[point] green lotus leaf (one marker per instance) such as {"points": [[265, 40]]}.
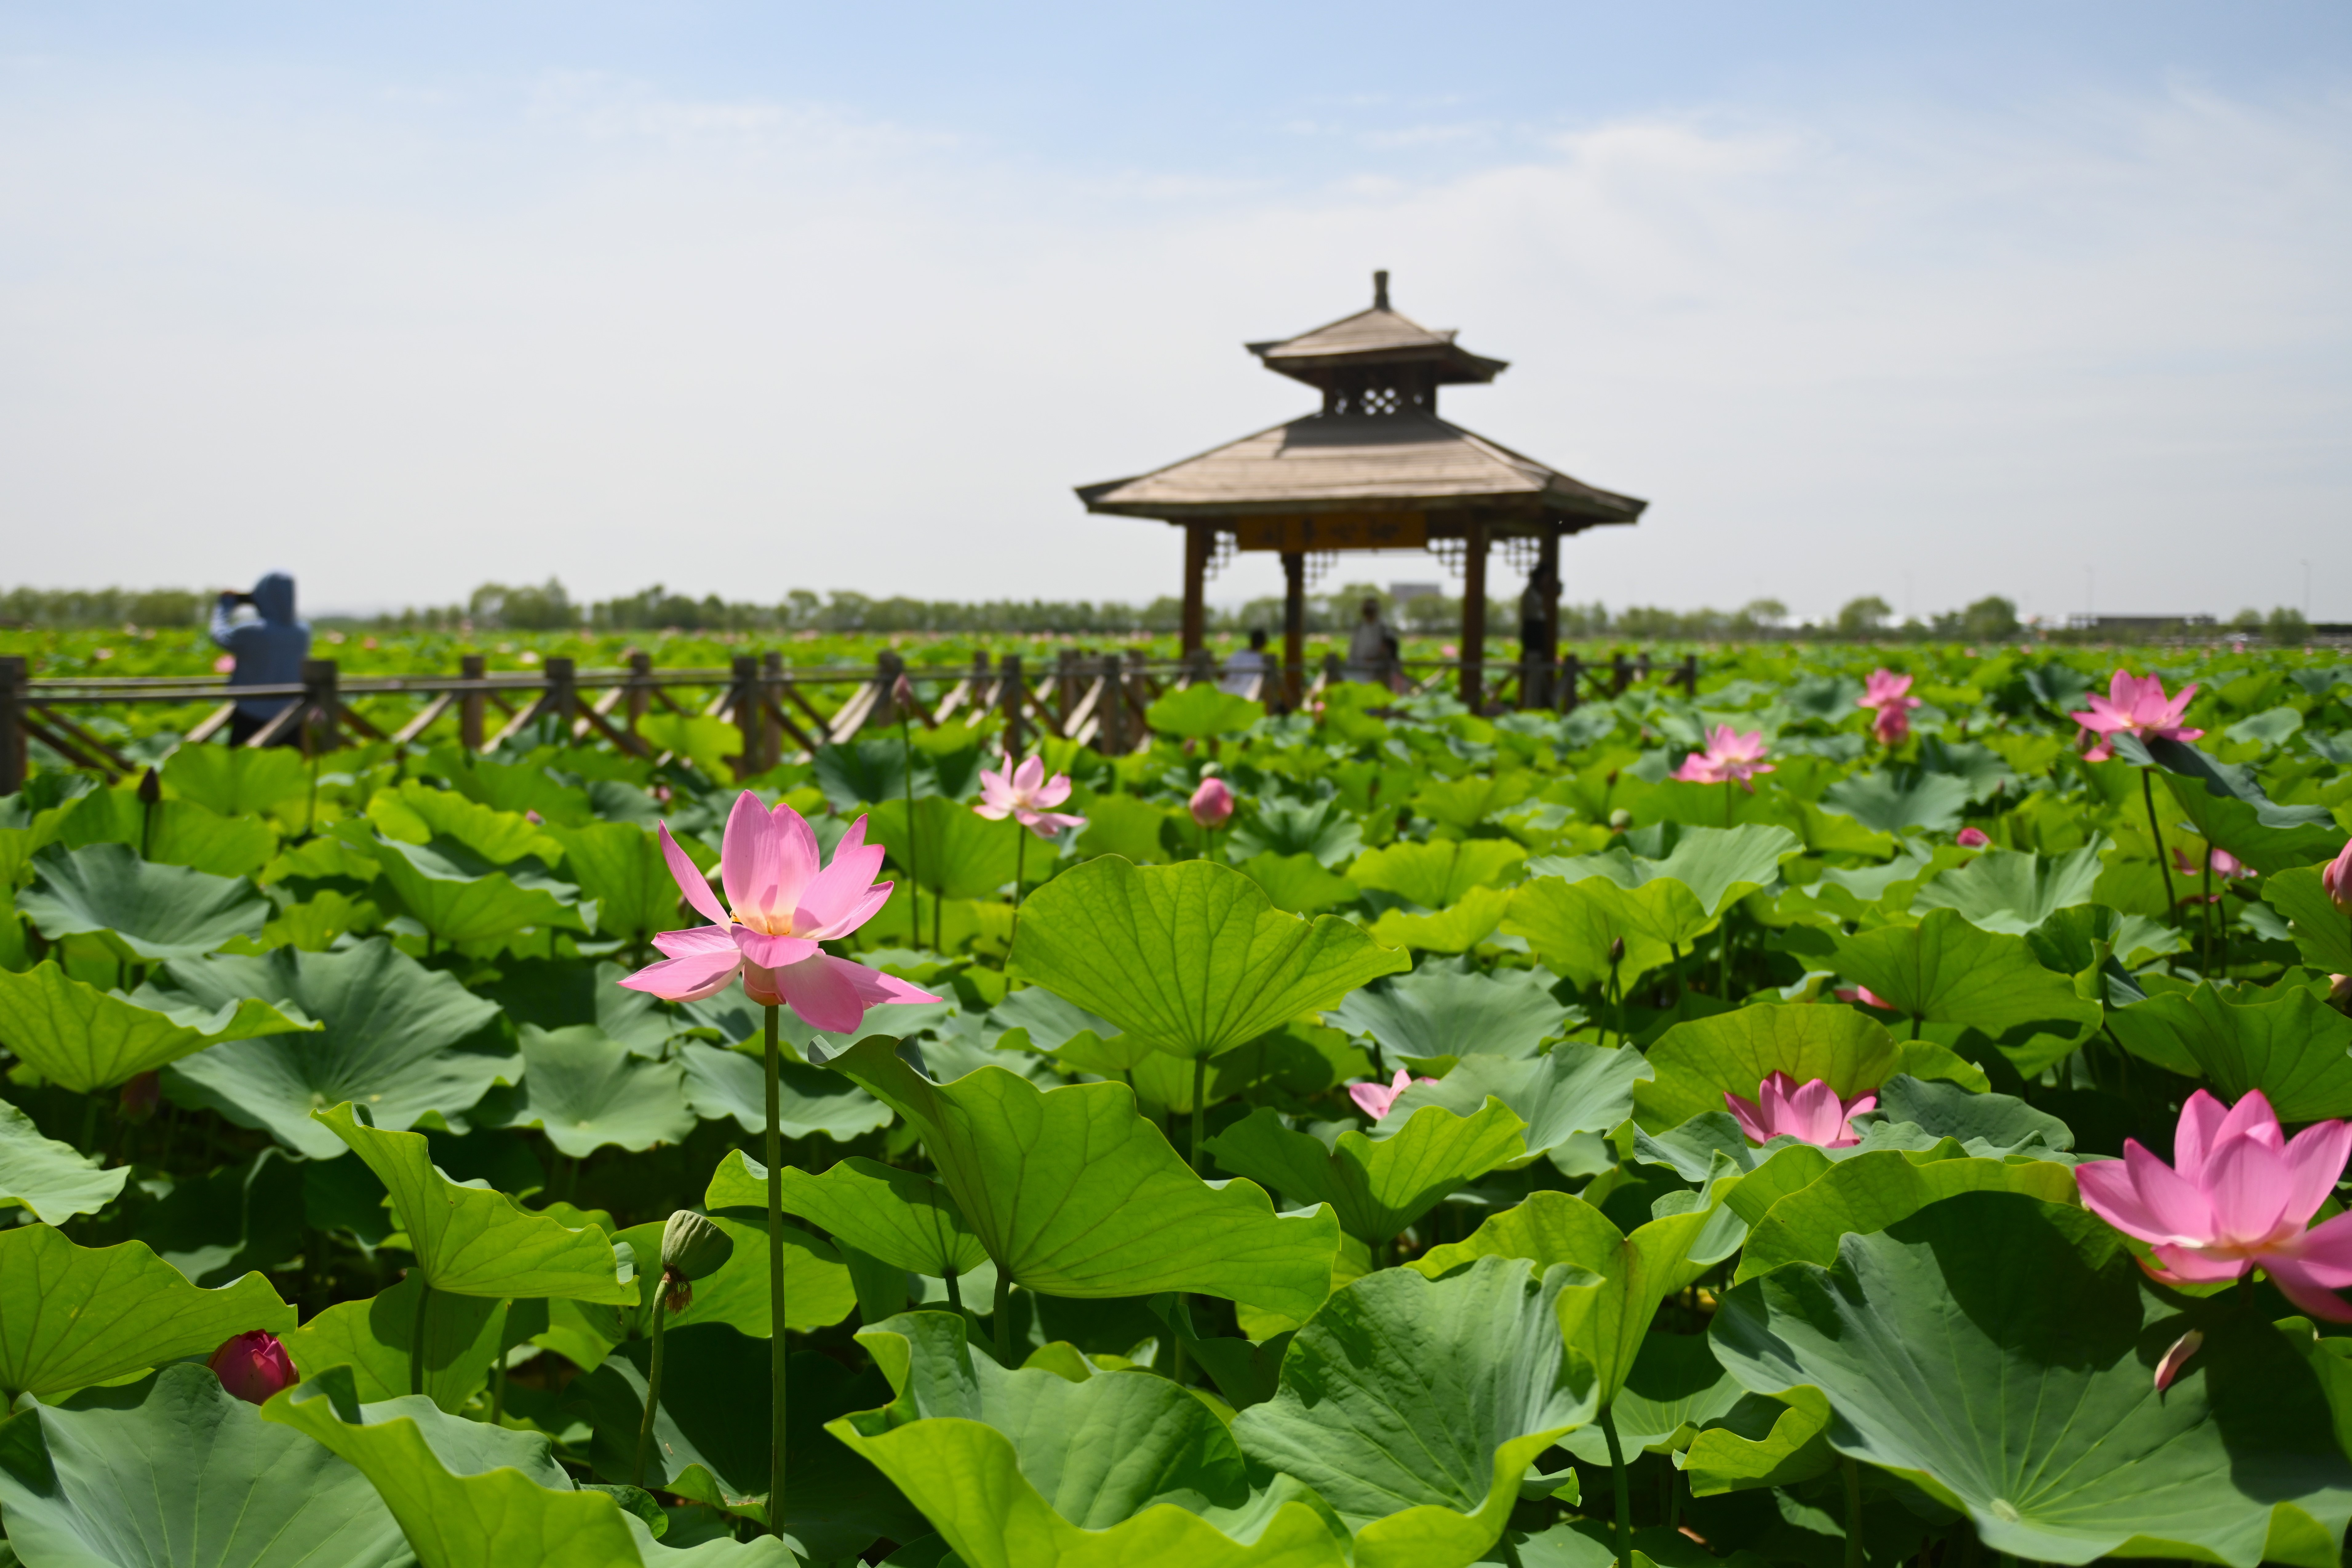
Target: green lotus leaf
{"points": [[1697, 1062], [1945, 970], [470, 1495], [1761, 1442], [1073, 1194], [810, 1101], [1674, 1388], [2321, 930], [460, 895], [1452, 930], [2296, 1050], [1464, 803], [463, 1334], [246, 1215], [1894, 803], [170, 833], [1715, 866], [2068, 940], [515, 788], [233, 781], [587, 1092], [80, 1038], [404, 1040], [417, 813], [476, 1242], [1997, 1352], [620, 869], [1280, 826], [173, 1471], [1572, 926], [1872, 1191], [1130, 827], [2013, 891], [1572, 1089], [73, 1316], [1983, 1125], [710, 744], [817, 1289], [1377, 1185], [1025, 1469], [1201, 710], [557, 993], [1413, 1405], [1441, 871], [54, 1180], [712, 1445], [1456, 1009], [2232, 810], [956, 853], [1297, 885], [1605, 1311], [141, 912], [1192, 957], [903, 1217]]}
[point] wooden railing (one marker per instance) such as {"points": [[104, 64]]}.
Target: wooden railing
{"points": [[1097, 701]]}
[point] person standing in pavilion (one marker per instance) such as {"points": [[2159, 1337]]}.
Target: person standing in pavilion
{"points": [[268, 652], [1371, 648]]}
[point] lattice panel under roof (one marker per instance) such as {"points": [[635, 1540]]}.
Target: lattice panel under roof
{"points": [[1220, 552]]}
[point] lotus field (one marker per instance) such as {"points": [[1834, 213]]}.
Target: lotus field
{"points": [[1862, 1113]]}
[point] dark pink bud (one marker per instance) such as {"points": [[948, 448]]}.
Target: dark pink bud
{"points": [[1213, 802], [139, 1097], [253, 1366], [1972, 838]]}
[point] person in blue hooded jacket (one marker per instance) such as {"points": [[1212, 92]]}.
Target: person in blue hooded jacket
{"points": [[268, 652]]}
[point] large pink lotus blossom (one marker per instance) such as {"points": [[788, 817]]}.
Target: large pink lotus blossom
{"points": [[1813, 1113], [2336, 880], [2237, 1195], [253, 1366], [784, 907], [1728, 756], [1213, 802], [2135, 705], [1024, 794], [1890, 694], [1375, 1098]]}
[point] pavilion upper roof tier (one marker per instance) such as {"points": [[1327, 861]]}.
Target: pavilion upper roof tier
{"points": [[1379, 336], [1403, 461]]}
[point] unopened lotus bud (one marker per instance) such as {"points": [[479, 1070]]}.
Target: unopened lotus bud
{"points": [[253, 1366], [1620, 820], [1212, 803], [151, 787], [1616, 951], [2339, 992], [139, 1097], [1972, 838], [902, 692], [2336, 881], [692, 1249]]}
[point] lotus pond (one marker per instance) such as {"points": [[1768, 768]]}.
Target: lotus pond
{"points": [[1834, 1120]]}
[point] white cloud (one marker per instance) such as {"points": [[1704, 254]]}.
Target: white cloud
{"points": [[406, 340]]}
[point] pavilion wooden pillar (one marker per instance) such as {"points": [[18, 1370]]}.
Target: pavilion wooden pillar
{"points": [[1473, 615], [1538, 664], [1294, 624], [1199, 538]]}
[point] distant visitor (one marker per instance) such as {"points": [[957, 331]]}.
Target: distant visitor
{"points": [[268, 652], [1245, 674]]}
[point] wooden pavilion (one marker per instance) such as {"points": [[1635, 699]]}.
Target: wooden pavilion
{"points": [[1375, 469]]}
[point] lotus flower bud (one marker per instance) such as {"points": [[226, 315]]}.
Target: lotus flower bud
{"points": [[253, 1366], [1616, 951], [692, 1249], [151, 787], [1972, 838], [2339, 992], [1620, 820], [1212, 803], [902, 692], [2336, 880], [139, 1097]]}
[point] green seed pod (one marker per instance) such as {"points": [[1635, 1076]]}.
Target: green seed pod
{"points": [[693, 1248]]}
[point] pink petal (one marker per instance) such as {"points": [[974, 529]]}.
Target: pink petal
{"points": [[1053, 792], [865, 910], [2314, 1160], [2107, 1191], [764, 861], [833, 993], [2184, 1347], [2182, 1209], [690, 881], [696, 939], [1749, 1116], [772, 952], [2249, 1117], [2248, 1184], [2193, 1139], [690, 978], [994, 810], [1032, 773], [1815, 1109], [834, 892], [2187, 1266], [2300, 1285], [2325, 1252]]}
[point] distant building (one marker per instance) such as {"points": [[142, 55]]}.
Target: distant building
{"points": [[2140, 625], [1406, 593]]}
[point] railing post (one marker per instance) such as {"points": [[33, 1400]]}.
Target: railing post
{"points": [[772, 696], [888, 667], [12, 726], [1066, 677], [750, 722], [1689, 675], [1009, 696], [1620, 675], [641, 670], [1571, 682], [1641, 666], [320, 680], [1110, 735], [563, 701], [472, 667]]}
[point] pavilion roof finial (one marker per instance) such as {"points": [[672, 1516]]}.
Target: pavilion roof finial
{"points": [[1381, 289]]}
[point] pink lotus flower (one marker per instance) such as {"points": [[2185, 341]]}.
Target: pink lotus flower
{"points": [[784, 907], [1812, 1113], [1972, 838], [1213, 802], [253, 1366], [1728, 756], [1867, 996], [2336, 881], [1023, 793], [2237, 1195], [2135, 706], [1889, 693], [2226, 866], [226, 665], [1375, 1100]]}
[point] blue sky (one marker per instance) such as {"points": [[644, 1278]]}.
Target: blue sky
{"points": [[1929, 302]]}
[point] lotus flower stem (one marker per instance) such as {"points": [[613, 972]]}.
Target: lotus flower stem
{"points": [[1624, 1491], [955, 1295], [416, 1337], [1003, 1316], [1853, 1511], [2208, 921], [1200, 1112], [774, 1150], [499, 1390], [1730, 801], [653, 1388], [1020, 864], [2147, 794], [914, 881]]}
